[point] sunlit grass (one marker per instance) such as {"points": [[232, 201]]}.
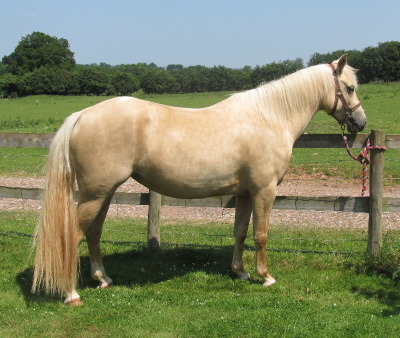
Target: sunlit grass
{"points": [[45, 113], [189, 290]]}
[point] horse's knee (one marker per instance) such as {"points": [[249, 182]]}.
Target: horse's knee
{"points": [[260, 240]]}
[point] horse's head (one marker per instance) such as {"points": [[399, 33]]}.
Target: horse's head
{"points": [[346, 108]]}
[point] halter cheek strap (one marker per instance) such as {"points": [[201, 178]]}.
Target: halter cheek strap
{"points": [[339, 96]]}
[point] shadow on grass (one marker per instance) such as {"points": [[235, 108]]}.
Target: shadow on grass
{"points": [[386, 265], [141, 266], [388, 296]]}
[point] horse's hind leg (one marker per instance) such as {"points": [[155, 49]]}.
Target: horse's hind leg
{"points": [[242, 219], [93, 235], [91, 214]]}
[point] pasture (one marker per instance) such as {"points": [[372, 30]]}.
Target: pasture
{"points": [[188, 290], [44, 113]]}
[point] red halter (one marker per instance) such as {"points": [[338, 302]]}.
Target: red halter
{"points": [[339, 96]]}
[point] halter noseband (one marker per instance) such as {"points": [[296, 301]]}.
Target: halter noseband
{"points": [[339, 96]]}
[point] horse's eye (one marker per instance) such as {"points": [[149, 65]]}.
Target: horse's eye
{"points": [[350, 89]]}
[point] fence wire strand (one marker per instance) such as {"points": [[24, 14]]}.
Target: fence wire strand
{"points": [[299, 218]]}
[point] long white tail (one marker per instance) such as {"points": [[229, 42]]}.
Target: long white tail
{"points": [[57, 234]]}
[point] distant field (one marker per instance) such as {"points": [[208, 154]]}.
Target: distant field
{"points": [[44, 114]]}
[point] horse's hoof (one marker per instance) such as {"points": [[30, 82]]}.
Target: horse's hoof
{"points": [[244, 276], [105, 285], [269, 282], [241, 274], [74, 302]]}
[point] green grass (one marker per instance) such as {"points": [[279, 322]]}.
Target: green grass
{"points": [[337, 163], [192, 100], [23, 162], [44, 113], [41, 113], [189, 291]]}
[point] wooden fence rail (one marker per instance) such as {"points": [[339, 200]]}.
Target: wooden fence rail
{"points": [[28, 140], [374, 205], [326, 203]]}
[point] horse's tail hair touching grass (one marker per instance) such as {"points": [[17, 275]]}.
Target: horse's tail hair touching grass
{"points": [[56, 236]]}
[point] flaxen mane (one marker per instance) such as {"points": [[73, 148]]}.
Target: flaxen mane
{"points": [[288, 99]]}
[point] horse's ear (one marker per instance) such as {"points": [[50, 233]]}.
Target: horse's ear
{"points": [[341, 63]]}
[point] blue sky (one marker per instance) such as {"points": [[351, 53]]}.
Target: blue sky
{"points": [[232, 33]]}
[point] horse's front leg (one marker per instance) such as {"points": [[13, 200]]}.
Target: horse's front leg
{"points": [[242, 219], [262, 206]]}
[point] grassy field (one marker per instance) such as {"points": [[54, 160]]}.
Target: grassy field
{"points": [[189, 291], [46, 113]]}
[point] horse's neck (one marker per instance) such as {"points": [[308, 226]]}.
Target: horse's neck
{"points": [[306, 115], [299, 102]]}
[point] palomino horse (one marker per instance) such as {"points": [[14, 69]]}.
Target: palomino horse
{"points": [[240, 146]]}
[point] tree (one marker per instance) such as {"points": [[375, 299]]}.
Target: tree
{"points": [[275, 70], [175, 67], [217, 78], [3, 69], [38, 50], [125, 83], [193, 79], [370, 65], [390, 55], [93, 80], [158, 81], [8, 84], [36, 82], [318, 58]]}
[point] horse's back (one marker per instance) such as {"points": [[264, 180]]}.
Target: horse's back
{"points": [[176, 151]]}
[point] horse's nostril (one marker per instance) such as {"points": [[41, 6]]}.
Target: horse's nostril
{"points": [[351, 120]]}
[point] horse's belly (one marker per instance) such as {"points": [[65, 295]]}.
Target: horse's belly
{"points": [[183, 186]]}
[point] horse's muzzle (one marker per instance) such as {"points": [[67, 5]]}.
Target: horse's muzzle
{"points": [[353, 126]]}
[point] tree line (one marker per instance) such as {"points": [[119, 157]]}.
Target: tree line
{"points": [[42, 64]]}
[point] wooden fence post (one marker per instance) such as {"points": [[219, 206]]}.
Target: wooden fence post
{"points": [[153, 221], [376, 194]]}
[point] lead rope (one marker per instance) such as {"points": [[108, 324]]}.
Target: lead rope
{"points": [[363, 157]]}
